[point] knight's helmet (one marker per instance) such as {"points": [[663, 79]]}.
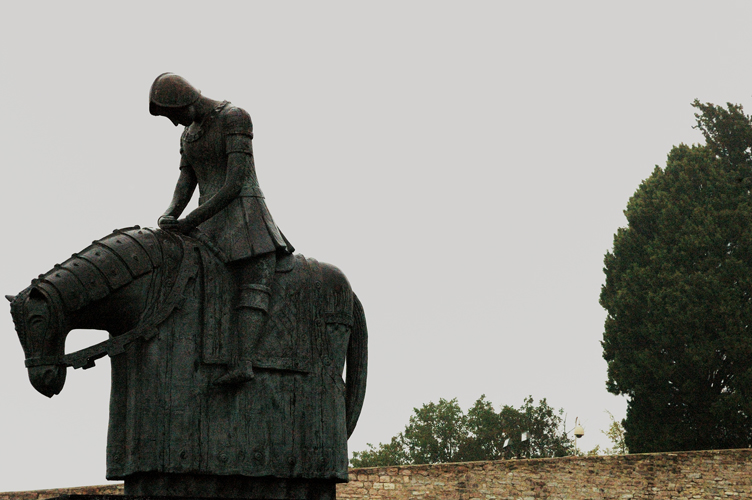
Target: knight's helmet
{"points": [[171, 91]]}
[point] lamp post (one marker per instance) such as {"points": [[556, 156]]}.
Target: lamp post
{"points": [[578, 433]]}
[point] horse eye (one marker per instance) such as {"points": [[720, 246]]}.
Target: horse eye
{"points": [[35, 320]]}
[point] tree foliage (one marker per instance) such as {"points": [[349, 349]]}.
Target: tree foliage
{"points": [[391, 453], [441, 433], [615, 434], [678, 294], [435, 433]]}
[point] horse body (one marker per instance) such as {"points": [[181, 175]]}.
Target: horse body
{"points": [[166, 302]]}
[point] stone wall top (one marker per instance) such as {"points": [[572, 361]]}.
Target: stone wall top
{"points": [[105, 489]]}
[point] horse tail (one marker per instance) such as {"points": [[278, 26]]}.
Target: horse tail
{"points": [[357, 366]]}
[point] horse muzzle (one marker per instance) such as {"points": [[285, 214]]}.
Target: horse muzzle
{"points": [[48, 379]]}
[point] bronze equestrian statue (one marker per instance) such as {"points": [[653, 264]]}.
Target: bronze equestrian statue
{"points": [[227, 348]]}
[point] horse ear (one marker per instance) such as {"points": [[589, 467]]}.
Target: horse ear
{"points": [[10, 298]]}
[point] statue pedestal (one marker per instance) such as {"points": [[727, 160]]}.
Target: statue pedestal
{"points": [[146, 497], [123, 497], [205, 486]]}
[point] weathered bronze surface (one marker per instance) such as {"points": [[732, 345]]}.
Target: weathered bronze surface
{"points": [[227, 348]]}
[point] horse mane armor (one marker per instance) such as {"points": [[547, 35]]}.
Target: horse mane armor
{"points": [[103, 267]]}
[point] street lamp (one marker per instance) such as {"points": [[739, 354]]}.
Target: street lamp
{"points": [[578, 432]]}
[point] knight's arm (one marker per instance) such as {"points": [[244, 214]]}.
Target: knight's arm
{"points": [[237, 165], [237, 131], [184, 189]]}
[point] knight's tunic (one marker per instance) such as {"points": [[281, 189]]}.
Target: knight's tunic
{"points": [[245, 227]]}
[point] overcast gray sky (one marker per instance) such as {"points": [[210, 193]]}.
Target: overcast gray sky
{"points": [[466, 164]]}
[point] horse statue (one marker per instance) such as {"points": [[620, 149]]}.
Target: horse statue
{"points": [[163, 298]]}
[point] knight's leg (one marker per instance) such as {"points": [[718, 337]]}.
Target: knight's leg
{"points": [[252, 309]]}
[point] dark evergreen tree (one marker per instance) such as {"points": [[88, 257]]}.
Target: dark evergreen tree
{"points": [[678, 293]]}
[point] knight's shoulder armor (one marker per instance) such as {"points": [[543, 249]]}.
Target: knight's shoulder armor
{"points": [[236, 121]]}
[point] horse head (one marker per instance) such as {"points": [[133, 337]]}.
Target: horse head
{"points": [[41, 330], [98, 288]]}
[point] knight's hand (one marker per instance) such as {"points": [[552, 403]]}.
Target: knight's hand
{"points": [[168, 222]]}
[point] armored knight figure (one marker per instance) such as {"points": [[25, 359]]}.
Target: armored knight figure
{"points": [[216, 155]]}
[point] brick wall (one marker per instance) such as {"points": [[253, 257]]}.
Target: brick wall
{"points": [[109, 489], [700, 474]]}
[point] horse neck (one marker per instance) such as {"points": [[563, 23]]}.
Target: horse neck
{"points": [[116, 313], [117, 303]]}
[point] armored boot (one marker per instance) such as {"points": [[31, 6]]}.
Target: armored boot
{"points": [[252, 311]]}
